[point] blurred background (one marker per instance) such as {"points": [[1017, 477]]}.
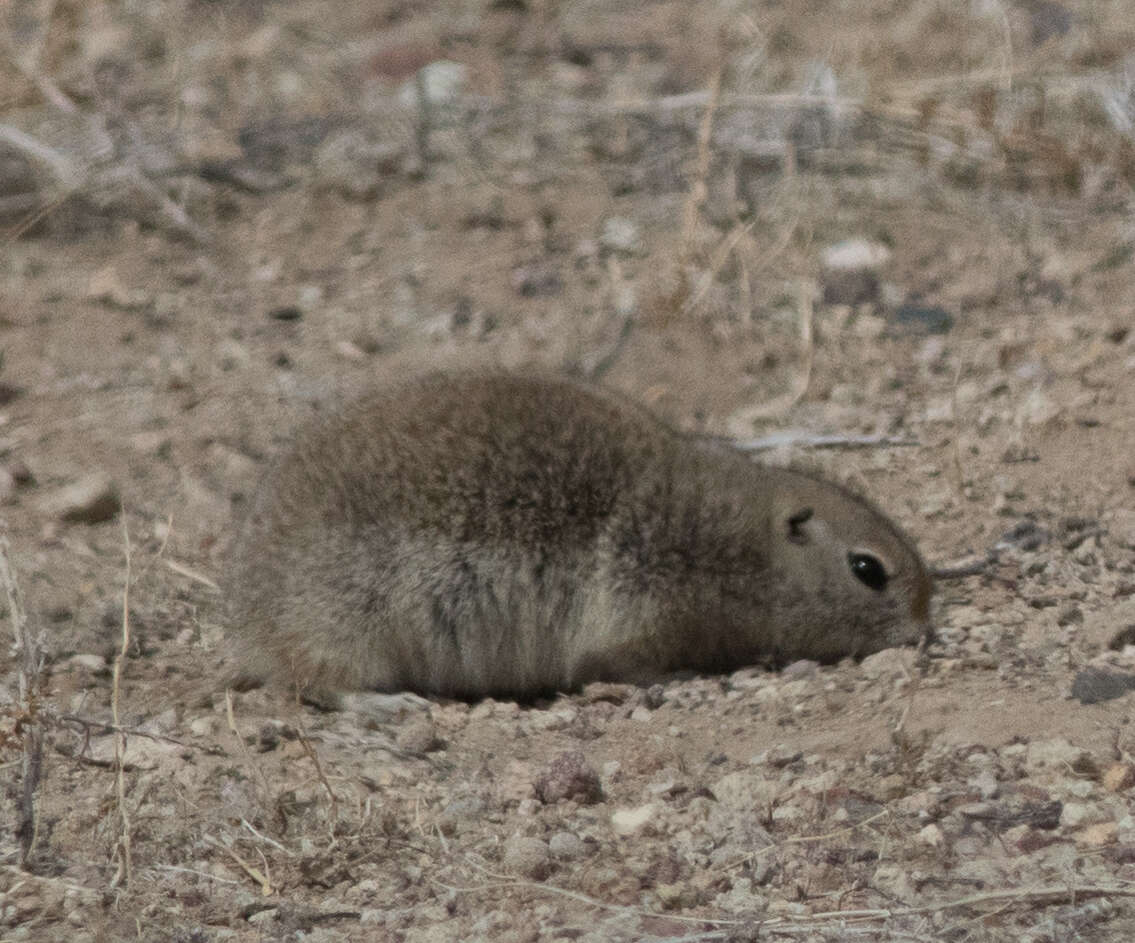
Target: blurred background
{"points": [[903, 225]]}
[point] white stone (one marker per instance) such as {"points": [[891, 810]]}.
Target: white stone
{"points": [[620, 234], [90, 500], [628, 821], [443, 81], [889, 663], [932, 835], [854, 254], [1053, 753], [1079, 814]]}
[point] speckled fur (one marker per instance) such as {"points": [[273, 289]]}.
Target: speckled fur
{"points": [[475, 534]]}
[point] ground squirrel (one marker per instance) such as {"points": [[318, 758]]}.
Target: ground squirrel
{"points": [[491, 534]]}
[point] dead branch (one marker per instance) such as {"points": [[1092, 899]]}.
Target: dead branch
{"points": [[809, 440], [122, 848], [105, 727]]}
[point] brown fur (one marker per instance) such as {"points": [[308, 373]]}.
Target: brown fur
{"points": [[475, 534]]}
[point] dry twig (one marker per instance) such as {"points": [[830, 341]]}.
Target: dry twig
{"points": [[809, 440], [957, 447], [698, 189], [333, 817], [190, 574], [257, 875], [122, 849], [258, 771], [90, 724]]}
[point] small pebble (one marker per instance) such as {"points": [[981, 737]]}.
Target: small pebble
{"points": [[529, 857], [566, 846], [569, 776]]}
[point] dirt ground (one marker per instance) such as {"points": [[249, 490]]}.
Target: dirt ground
{"points": [[906, 225]]}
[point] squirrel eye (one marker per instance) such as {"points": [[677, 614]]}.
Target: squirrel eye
{"points": [[868, 570]]}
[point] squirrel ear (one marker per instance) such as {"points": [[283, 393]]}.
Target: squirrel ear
{"points": [[796, 522]]}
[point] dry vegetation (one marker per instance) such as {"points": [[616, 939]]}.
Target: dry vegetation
{"points": [[901, 226]]}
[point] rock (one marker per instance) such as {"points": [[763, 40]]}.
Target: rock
{"points": [[850, 271], [1121, 527], [285, 313], [853, 254], [141, 753], [1123, 638], [538, 280], [1079, 814], [90, 500], [232, 354], [986, 784], [620, 235], [205, 726], [350, 351], [778, 756], [1057, 753], [1024, 535], [1070, 614], [529, 857], [380, 707], [107, 287], [566, 846], [895, 881], [516, 783], [462, 812], [569, 776], [7, 485], [916, 319], [441, 81], [94, 663], [1038, 409], [1094, 685], [1047, 20], [889, 663], [666, 783], [358, 165], [1098, 835], [628, 821], [419, 735], [1032, 840], [802, 669], [607, 692], [859, 286], [932, 835], [751, 679], [745, 791], [1119, 777], [21, 474], [311, 296]]}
